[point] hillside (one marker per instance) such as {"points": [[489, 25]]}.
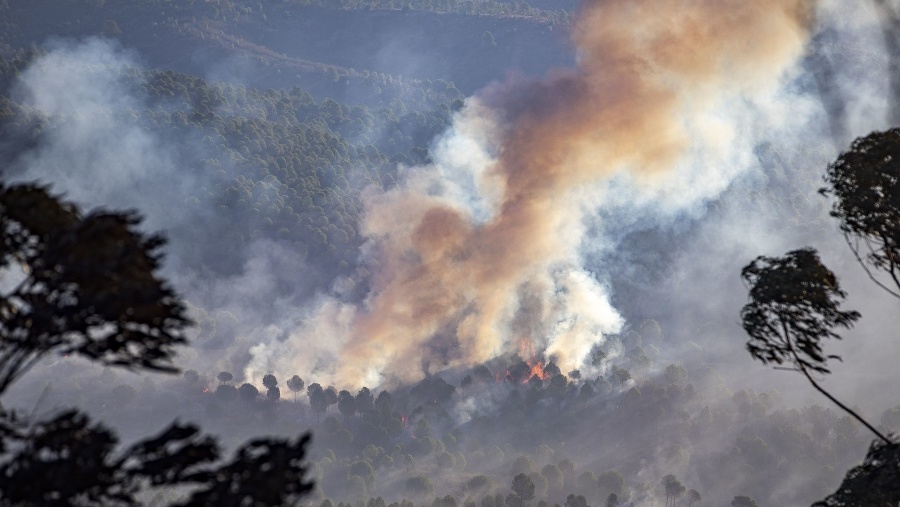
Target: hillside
{"points": [[488, 253]]}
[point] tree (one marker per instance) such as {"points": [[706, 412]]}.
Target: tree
{"points": [[296, 385], [419, 487], [794, 305], [874, 483], [317, 399], [226, 393], [794, 300], [88, 286], [673, 488], [743, 501], [576, 501], [346, 404], [693, 496], [866, 184], [612, 500], [224, 376], [273, 394], [523, 487], [269, 381], [248, 392], [331, 396], [365, 402]]}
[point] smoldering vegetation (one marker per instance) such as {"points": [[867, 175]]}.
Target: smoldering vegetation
{"points": [[539, 279]]}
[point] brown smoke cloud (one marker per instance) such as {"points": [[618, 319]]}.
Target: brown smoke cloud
{"points": [[458, 291]]}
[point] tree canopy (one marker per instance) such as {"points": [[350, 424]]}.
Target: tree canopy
{"points": [[88, 285], [865, 180]]}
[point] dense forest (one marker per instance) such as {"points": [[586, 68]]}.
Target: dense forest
{"points": [[280, 146]]}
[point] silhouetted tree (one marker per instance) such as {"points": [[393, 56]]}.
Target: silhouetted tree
{"points": [[226, 393], [269, 381], [331, 396], [693, 496], [865, 180], [273, 393], [346, 404], [94, 275], [612, 500], [248, 392], [794, 305], [576, 501], [673, 488], [743, 501], [384, 404], [365, 402], [89, 288], [296, 385], [523, 487], [224, 376], [874, 483], [317, 399]]}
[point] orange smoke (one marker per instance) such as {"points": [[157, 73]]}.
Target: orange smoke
{"points": [[647, 71]]}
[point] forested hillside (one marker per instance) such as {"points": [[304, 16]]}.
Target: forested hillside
{"points": [[487, 253]]}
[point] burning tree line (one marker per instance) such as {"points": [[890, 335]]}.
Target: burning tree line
{"points": [[86, 285]]}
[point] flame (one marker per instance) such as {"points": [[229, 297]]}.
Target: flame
{"points": [[537, 370], [205, 389]]}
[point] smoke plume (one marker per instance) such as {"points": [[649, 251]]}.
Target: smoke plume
{"points": [[459, 280]]}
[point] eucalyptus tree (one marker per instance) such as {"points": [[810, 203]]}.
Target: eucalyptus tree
{"points": [[795, 304]]}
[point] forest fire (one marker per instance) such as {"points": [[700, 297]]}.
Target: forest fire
{"points": [[537, 370], [521, 371]]}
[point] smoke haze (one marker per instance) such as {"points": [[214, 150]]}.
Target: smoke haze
{"points": [[557, 214]]}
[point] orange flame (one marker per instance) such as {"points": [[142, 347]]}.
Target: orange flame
{"points": [[205, 389], [537, 370]]}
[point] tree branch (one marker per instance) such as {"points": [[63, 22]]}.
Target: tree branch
{"points": [[826, 393], [862, 263]]}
